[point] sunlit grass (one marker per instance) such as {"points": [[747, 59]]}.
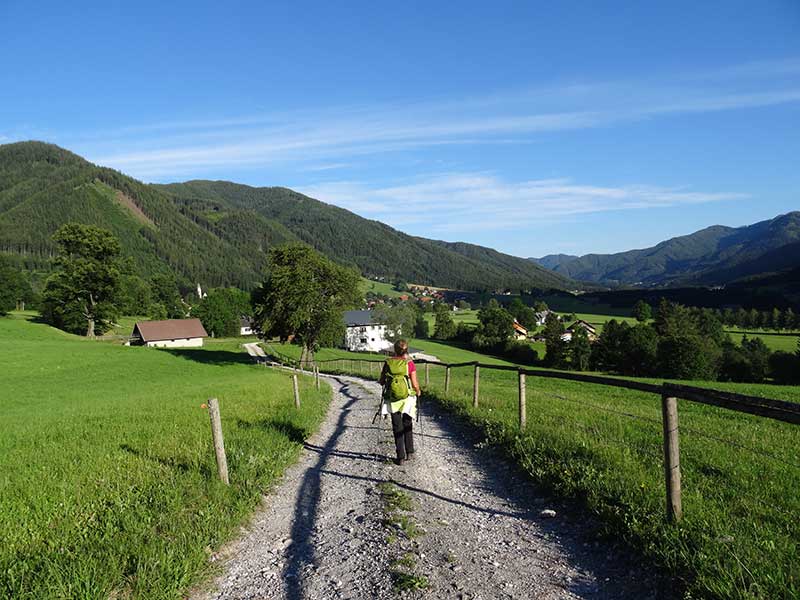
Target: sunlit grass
{"points": [[108, 484]]}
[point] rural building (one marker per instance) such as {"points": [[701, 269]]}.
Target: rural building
{"points": [[520, 332], [591, 332], [541, 317], [172, 333], [246, 325], [364, 333]]}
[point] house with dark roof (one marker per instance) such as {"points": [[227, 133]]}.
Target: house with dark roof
{"points": [[591, 331], [172, 333], [246, 325], [364, 332]]}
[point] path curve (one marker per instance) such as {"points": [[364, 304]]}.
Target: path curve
{"points": [[320, 533]]}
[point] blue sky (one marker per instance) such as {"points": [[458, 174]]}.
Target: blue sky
{"points": [[531, 127]]}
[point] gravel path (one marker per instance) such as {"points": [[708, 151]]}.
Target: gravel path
{"points": [[320, 533]]}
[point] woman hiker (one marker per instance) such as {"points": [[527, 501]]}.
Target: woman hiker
{"points": [[400, 393]]}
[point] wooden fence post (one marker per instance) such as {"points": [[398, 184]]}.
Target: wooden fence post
{"points": [[447, 379], [296, 388], [672, 460], [476, 385], [219, 443], [523, 414], [316, 375], [427, 374]]}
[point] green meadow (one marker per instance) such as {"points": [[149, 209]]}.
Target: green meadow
{"points": [[602, 446], [109, 485]]}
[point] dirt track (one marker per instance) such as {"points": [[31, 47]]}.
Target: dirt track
{"points": [[320, 533]]}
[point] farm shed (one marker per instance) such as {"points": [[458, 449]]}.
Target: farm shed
{"points": [[172, 333]]}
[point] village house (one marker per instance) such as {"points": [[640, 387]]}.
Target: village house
{"points": [[541, 317], [246, 325], [364, 333], [520, 332], [591, 331], [172, 333]]}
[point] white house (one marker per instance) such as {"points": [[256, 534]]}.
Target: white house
{"points": [[246, 325], [172, 333], [364, 333], [541, 317]]}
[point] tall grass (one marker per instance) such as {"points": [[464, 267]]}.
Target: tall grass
{"points": [[108, 484]]}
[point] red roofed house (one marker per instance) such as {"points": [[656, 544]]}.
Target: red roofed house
{"points": [[172, 333]]}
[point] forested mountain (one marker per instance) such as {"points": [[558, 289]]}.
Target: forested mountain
{"points": [[218, 233], [715, 255], [374, 247]]}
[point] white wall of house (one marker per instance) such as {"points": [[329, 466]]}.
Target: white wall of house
{"points": [[245, 331], [180, 343], [366, 338]]}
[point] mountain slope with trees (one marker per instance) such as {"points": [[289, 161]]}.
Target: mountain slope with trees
{"points": [[714, 255], [376, 248], [219, 233]]}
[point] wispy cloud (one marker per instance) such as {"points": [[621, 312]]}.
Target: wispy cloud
{"points": [[456, 203], [177, 148]]}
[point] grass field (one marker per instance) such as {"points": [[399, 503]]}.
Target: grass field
{"points": [[603, 447], [108, 484], [379, 287]]}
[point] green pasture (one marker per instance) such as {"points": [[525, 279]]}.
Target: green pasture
{"points": [[108, 485], [379, 287], [603, 447]]}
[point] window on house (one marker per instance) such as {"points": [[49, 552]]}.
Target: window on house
{"points": [[363, 340]]}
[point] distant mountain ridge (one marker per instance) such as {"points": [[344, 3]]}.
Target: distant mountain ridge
{"points": [[218, 233], [712, 256]]}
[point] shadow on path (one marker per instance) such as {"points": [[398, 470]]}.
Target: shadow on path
{"points": [[302, 552]]}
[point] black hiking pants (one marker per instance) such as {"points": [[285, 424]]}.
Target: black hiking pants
{"points": [[403, 436]]}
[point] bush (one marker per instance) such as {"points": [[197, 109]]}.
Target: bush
{"points": [[521, 353], [784, 367], [688, 357]]}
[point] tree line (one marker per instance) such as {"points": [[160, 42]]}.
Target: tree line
{"points": [[680, 343]]}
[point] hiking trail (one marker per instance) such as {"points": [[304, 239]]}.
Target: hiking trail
{"points": [[320, 533]]}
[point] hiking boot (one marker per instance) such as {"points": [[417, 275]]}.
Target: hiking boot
{"points": [[399, 461]]}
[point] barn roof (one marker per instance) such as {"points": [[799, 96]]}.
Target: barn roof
{"points": [[171, 329]]}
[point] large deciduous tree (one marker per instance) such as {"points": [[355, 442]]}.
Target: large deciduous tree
{"points": [[304, 298], [81, 295]]}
